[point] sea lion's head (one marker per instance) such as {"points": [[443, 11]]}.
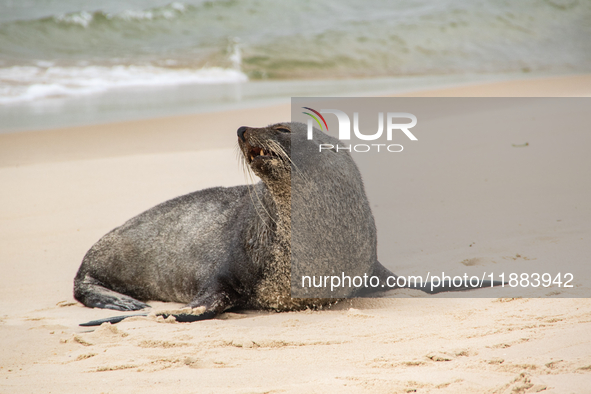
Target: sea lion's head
{"points": [[267, 151]]}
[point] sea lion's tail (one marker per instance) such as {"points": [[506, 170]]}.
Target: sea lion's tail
{"points": [[181, 318], [385, 275], [444, 286]]}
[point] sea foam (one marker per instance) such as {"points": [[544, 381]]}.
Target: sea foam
{"points": [[24, 83]]}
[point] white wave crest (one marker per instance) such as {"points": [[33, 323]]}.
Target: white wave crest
{"points": [[82, 18], [27, 83], [85, 18]]}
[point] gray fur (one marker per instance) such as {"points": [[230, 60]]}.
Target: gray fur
{"points": [[333, 229], [225, 248]]}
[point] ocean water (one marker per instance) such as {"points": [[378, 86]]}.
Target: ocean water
{"points": [[60, 48]]}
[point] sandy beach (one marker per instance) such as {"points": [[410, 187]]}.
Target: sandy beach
{"points": [[62, 189]]}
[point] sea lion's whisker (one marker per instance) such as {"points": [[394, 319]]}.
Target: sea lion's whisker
{"points": [[251, 189], [281, 152], [251, 185]]}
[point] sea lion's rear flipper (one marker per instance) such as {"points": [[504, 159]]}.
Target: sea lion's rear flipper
{"points": [[112, 320], [181, 318], [208, 305], [92, 294]]}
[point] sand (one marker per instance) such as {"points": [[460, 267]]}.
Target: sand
{"points": [[63, 189]]}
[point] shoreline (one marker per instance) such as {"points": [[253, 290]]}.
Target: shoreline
{"points": [[144, 103], [178, 133]]}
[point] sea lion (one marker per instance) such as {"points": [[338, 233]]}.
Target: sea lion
{"points": [[223, 248], [231, 247]]}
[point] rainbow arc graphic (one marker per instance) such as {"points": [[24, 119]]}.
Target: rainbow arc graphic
{"points": [[315, 118]]}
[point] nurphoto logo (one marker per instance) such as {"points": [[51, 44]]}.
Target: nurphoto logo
{"points": [[345, 130]]}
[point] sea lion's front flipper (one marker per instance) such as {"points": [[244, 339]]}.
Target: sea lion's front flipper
{"points": [[216, 297], [189, 318]]}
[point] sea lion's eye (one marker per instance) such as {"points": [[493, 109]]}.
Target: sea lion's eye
{"points": [[283, 129]]}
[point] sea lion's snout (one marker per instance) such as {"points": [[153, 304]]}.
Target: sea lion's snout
{"points": [[257, 143], [266, 150]]}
